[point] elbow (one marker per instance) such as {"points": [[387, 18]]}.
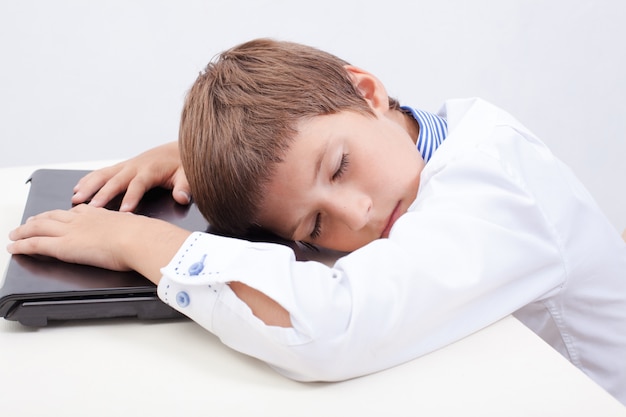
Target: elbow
{"points": [[313, 364]]}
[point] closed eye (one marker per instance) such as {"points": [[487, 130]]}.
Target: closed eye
{"points": [[317, 228], [343, 165], [341, 170]]}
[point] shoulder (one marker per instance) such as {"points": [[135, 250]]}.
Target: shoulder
{"points": [[485, 140], [489, 163], [474, 113]]}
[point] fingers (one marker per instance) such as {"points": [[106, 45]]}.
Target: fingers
{"points": [[36, 245], [91, 184], [135, 191], [84, 234], [156, 167], [104, 185], [43, 224], [36, 235]]}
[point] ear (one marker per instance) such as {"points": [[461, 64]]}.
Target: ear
{"points": [[370, 87]]}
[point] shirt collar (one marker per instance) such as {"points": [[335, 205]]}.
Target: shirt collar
{"points": [[433, 131]]}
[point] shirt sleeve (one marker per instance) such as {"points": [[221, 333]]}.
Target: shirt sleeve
{"points": [[386, 303], [474, 248]]}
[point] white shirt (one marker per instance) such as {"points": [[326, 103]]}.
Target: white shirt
{"points": [[499, 226]]}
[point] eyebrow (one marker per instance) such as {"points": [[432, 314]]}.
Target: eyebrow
{"points": [[320, 158]]}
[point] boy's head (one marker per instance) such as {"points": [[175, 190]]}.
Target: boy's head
{"points": [[242, 115]]}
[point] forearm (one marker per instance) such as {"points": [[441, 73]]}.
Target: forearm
{"points": [[150, 244], [150, 249], [262, 306]]}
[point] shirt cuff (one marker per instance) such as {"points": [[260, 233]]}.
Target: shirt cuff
{"points": [[193, 282]]}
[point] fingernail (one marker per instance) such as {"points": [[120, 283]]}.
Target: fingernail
{"points": [[185, 195]]}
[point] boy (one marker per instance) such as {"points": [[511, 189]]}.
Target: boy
{"points": [[287, 138]]}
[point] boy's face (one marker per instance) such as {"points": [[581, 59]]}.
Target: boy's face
{"points": [[344, 181]]}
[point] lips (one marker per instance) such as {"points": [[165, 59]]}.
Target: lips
{"points": [[395, 215]]}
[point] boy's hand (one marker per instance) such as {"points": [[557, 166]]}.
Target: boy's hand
{"points": [[157, 167], [102, 238]]}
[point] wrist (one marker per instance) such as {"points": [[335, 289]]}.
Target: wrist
{"points": [[150, 245]]}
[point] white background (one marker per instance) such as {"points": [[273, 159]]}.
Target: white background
{"points": [[87, 80]]}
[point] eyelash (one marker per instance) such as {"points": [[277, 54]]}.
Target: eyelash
{"points": [[317, 228], [343, 165]]}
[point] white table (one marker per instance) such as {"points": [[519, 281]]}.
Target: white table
{"points": [[128, 367]]}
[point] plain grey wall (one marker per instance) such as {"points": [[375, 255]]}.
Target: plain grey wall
{"points": [[93, 80]]}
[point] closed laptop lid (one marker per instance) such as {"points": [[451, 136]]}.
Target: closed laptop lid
{"points": [[37, 290]]}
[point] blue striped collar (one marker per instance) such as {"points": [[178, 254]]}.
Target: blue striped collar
{"points": [[433, 131]]}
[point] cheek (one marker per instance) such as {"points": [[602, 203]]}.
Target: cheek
{"points": [[395, 170], [413, 179]]}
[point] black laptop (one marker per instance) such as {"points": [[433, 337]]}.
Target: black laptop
{"points": [[39, 290]]}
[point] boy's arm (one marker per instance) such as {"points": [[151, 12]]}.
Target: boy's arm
{"points": [[100, 237], [121, 241], [159, 166], [263, 307]]}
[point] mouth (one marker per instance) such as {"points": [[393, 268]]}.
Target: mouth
{"points": [[395, 214]]}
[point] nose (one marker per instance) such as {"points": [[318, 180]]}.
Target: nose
{"points": [[350, 207]]}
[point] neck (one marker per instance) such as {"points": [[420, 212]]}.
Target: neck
{"points": [[408, 123]]}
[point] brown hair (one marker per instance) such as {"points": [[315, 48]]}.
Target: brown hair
{"points": [[241, 114]]}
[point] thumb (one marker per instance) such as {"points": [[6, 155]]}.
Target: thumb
{"points": [[181, 191]]}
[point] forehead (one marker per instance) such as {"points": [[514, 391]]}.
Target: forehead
{"points": [[287, 190], [291, 189], [312, 139]]}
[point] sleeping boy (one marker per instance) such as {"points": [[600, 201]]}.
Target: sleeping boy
{"points": [[439, 244]]}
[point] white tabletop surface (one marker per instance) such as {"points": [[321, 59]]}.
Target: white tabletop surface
{"points": [[128, 367]]}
